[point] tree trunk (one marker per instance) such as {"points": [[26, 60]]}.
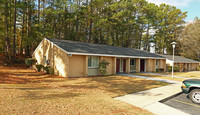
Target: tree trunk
{"points": [[38, 12], [77, 20], [7, 45], [147, 39], [90, 32], [23, 20], [14, 30], [10, 24]]}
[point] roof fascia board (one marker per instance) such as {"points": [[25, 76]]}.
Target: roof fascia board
{"points": [[57, 46], [181, 62], [76, 53], [187, 62], [37, 47]]}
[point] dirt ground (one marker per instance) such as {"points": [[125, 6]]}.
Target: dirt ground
{"points": [[25, 91]]}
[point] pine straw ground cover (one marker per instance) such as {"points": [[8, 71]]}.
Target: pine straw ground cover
{"points": [[24, 91], [190, 74]]}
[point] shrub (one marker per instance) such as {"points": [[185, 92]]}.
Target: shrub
{"points": [[39, 67], [176, 68], [159, 69], [49, 70], [169, 68], [103, 67], [30, 61], [198, 68]]}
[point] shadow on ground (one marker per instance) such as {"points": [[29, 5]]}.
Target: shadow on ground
{"points": [[17, 75], [113, 85]]}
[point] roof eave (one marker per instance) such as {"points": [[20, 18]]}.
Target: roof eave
{"points": [[92, 54], [108, 55]]}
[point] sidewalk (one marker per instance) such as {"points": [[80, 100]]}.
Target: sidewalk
{"points": [[165, 75], [149, 99], [150, 78]]}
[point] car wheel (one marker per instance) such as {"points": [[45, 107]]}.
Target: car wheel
{"points": [[195, 96]]}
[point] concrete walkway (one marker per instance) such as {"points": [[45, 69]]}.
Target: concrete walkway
{"points": [[149, 99], [150, 78], [165, 75]]}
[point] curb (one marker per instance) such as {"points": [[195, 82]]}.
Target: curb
{"points": [[170, 97]]}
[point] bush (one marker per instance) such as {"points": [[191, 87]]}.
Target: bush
{"points": [[30, 61], [39, 67], [198, 68], [169, 68], [103, 67], [49, 70], [159, 69], [176, 68]]}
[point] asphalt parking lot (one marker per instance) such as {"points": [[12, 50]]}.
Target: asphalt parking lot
{"points": [[183, 103]]}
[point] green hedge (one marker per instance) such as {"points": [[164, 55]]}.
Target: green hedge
{"points": [[198, 68], [159, 69], [49, 70], [30, 61], [176, 68], [39, 67]]}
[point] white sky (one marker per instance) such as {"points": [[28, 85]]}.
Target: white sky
{"points": [[177, 3]]}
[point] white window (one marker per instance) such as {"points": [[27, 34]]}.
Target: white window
{"points": [[157, 62], [132, 62], [93, 62]]}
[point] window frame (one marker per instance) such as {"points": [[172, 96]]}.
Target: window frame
{"points": [[157, 62], [131, 62], [92, 61]]}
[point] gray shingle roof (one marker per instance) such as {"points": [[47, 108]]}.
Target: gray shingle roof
{"points": [[81, 47], [179, 59]]}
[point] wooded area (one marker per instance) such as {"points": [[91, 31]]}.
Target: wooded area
{"points": [[190, 40], [127, 23]]}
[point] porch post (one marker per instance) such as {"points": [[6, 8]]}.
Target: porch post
{"points": [[164, 64], [147, 63], [86, 65], [137, 64], [114, 65], [128, 65], [154, 65], [67, 69]]}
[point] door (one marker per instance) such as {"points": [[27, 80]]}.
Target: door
{"points": [[142, 65], [124, 65], [117, 65]]}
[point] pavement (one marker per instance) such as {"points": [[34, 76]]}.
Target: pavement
{"points": [[182, 102], [150, 99], [150, 78], [166, 75]]}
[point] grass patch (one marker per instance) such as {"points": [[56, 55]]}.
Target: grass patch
{"points": [[158, 76], [191, 74], [25, 91]]}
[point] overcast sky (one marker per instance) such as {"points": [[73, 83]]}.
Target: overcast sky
{"points": [[191, 6]]}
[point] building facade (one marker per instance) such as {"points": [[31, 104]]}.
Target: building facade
{"points": [[78, 59]]}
